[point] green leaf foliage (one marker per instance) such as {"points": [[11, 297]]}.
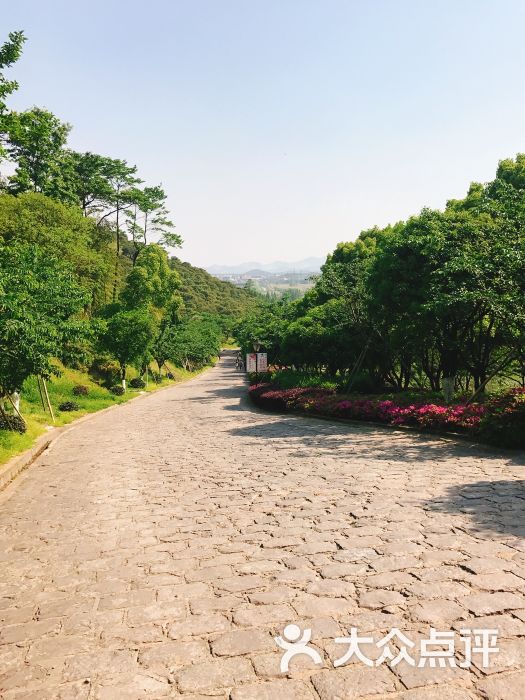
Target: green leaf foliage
{"points": [[39, 296], [128, 336], [151, 281], [35, 142], [194, 343], [62, 232]]}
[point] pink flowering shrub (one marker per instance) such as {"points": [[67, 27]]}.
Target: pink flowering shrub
{"points": [[429, 416], [275, 399], [501, 420]]}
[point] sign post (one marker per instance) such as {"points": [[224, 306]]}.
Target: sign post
{"points": [[256, 362], [262, 362], [251, 362], [256, 348]]}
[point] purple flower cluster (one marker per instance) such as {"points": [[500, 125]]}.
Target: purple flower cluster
{"points": [[460, 417], [428, 415]]}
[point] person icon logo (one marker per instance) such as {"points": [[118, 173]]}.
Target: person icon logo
{"points": [[294, 644]]}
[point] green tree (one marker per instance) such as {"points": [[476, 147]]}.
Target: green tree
{"points": [[193, 344], [148, 216], [251, 288], [62, 232], [36, 139], [440, 296], [39, 297], [152, 281], [153, 284], [10, 52], [129, 337], [122, 179], [266, 324], [451, 281], [86, 181]]}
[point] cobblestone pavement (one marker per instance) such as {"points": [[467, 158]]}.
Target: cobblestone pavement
{"points": [[156, 549]]}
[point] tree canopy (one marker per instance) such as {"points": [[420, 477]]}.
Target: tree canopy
{"points": [[39, 298], [438, 297]]}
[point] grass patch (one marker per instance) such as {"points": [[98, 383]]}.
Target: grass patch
{"points": [[60, 390]]}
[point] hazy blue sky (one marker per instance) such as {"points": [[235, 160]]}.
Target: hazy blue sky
{"points": [[280, 127]]}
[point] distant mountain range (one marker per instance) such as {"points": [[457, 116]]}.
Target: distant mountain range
{"points": [[306, 265]]}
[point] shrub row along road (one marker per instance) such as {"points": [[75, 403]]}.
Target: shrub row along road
{"points": [[155, 550]]}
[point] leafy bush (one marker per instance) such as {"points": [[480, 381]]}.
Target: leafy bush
{"points": [[13, 423], [80, 390], [137, 383], [291, 379], [260, 378], [364, 383], [117, 389], [68, 406], [504, 422], [105, 369]]}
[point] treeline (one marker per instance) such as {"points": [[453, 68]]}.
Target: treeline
{"points": [[436, 302], [84, 274]]}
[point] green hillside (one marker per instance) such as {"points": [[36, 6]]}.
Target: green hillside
{"points": [[203, 293]]}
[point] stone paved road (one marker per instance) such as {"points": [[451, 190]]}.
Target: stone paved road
{"points": [[155, 550]]}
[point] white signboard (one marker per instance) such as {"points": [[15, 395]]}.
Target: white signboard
{"points": [[262, 362], [251, 362]]}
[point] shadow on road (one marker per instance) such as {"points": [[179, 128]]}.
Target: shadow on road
{"points": [[493, 506], [362, 441], [342, 441]]}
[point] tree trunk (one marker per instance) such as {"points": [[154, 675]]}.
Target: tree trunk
{"points": [[449, 364], [115, 279], [431, 369], [15, 400], [134, 234], [448, 388]]}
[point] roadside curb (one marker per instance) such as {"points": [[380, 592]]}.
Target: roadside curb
{"points": [[15, 466], [11, 469]]}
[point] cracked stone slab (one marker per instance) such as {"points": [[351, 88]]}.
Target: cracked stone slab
{"points": [[158, 549]]}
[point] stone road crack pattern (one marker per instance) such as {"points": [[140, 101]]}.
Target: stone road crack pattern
{"points": [[155, 550]]}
